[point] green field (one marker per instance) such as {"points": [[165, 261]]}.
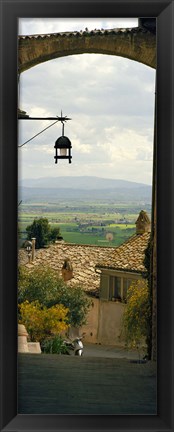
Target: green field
{"points": [[83, 238], [71, 234], [102, 225]]}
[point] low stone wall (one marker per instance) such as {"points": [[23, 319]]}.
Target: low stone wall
{"points": [[34, 348], [23, 345]]}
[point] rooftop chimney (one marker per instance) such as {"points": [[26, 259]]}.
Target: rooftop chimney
{"points": [[67, 270], [143, 223]]}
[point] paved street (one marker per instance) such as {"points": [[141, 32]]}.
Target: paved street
{"points": [[106, 380], [108, 351]]}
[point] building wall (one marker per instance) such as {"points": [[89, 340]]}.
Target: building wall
{"points": [[110, 320], [104, 320], [91, 327], [104, 323]]}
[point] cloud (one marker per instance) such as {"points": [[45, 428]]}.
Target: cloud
{"points": [[101, 81], [55, 25], [110, 100]]}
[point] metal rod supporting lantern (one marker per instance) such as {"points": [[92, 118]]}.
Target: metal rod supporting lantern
{"points": [[62, 145]]}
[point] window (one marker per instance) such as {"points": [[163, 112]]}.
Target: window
{"points": [[115, 288], [118, 287]]}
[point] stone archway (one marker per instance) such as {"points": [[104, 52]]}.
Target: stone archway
{"points": [[138, 43]]}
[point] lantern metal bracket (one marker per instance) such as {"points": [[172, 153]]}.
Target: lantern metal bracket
{"points": [[23, 116], [62, 119]]}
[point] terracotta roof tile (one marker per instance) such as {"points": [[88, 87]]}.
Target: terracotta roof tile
{"points": [[87, 259], [83, 259], [85, 33], [128, 256]]}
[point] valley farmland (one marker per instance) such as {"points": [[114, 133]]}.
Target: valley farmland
{"points": [[88, 214], [102, 225]]}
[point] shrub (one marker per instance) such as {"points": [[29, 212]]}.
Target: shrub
{"points": [[41, 322], [137, 314], [45, 286], [54, 345], [148, 264]]}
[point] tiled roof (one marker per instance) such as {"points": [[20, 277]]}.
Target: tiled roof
{"points": [[83, 259], [129, 256], [86, 32]]}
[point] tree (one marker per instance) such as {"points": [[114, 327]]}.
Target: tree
{"points": [[45, 286], [137, 313], [55, 234], [41, 230], [76, 301], [40, 284]]}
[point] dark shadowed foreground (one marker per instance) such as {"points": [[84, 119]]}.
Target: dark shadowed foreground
{"points": [[55, 384]]}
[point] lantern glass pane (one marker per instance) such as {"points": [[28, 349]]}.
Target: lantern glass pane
{"points": [[63, 152]]}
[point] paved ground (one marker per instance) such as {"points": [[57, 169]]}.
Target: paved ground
{"points": [[109, 351], [106, 380]]}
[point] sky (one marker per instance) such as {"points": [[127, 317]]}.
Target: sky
{"points": [[110, 100]]}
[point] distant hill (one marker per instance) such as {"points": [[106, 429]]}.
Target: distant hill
{"points": [[83, 188], [82, 182]]}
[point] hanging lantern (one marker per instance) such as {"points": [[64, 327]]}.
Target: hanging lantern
{"points": [[63, 147]]}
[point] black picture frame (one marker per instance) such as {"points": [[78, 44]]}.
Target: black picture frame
{"points": [[163, 10]]}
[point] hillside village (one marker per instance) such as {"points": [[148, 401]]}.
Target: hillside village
{"points": [[105, 275]]}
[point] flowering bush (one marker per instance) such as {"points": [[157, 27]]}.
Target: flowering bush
{"points": [[137, 313], [44, 285], [42, 322]]}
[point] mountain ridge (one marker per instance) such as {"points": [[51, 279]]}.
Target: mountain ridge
{"points": [[81, 183]]}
